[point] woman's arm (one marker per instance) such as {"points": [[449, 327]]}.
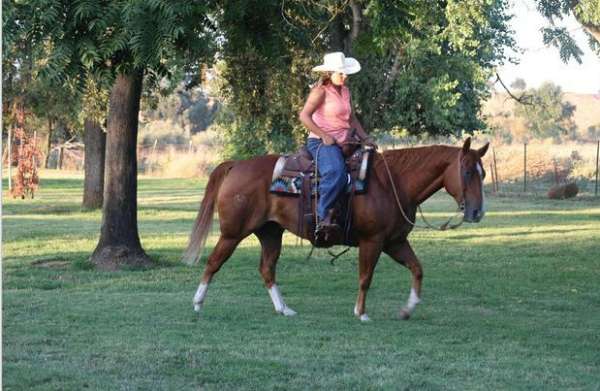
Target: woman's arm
{"points": [[360, 132], [355, 124], [314, 100]]}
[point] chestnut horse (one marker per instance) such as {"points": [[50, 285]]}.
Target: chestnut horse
{"points": [[240, 192]]}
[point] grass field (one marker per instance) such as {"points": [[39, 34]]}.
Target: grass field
{"points": [[510, 303]]}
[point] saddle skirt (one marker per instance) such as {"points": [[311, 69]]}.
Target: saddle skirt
{"points": [[291, 171]]}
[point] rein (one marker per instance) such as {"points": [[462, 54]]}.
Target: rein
{"points": [[427, 225], [444, 227]]}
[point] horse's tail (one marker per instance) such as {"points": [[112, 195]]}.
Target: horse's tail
{"points": [[204, 219]]}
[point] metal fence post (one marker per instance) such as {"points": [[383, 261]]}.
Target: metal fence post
{"points": [[525, 167], [10, 158], [496, 170], [597, 153]]}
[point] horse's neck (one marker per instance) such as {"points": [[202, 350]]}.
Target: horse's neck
{"points": [[421, 170]]}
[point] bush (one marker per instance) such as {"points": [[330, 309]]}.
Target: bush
{"points": [[163, 132]]}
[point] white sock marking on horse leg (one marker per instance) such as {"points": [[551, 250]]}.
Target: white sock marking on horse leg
{"points": [[364, 317], [413, 300], [278, 302], [199, 296]]}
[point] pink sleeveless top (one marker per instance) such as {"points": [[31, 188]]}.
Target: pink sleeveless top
{"points": [[333, 116]]}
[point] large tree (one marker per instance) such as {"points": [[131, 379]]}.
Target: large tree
{"points": [[127, 42], [24, 51], [547, 115], [76, 104], [425, 64]]}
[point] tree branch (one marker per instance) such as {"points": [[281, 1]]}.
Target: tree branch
{"points": [[592, 29], [356, 19], [524, 99]]}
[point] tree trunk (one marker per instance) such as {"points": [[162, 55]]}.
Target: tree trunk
{"points": [[94, 140], [337, 35], [119, 243]]}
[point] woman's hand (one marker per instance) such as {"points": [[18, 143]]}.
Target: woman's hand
{"points": [[370, 143], [328, 140]]}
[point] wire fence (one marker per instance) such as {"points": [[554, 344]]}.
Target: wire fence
{"points": [[541, 168], [527, 169]]}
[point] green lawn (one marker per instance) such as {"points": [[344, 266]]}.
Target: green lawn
{"points": [[510, 303]]}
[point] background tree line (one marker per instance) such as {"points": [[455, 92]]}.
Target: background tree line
{"points": [[426, 65]]}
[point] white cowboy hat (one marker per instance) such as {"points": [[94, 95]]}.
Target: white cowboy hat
{"points": [[337, 62]]}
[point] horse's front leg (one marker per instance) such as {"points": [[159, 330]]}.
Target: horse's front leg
{"points": [[270, 236], [404, 254], [368, 255]]}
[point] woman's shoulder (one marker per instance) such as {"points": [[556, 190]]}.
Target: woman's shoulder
{"points": [[318, 88], [317, 91]]}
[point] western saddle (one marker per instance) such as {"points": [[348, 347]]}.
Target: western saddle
{"points": [[294, 175]]}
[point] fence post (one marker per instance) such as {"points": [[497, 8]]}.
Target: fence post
{"points": [[153, 158], [496, 170], [10, 158], [34, 148], [525, 167], [61, 152], [493, 177], [597, 153]]}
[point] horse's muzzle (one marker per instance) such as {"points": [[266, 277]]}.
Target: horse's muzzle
{"points": [[474, 215]]}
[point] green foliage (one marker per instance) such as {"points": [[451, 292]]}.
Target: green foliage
{"points": [[547, 115], [560, 38], [61, 62], [190, 110], [593, 132], [519, 84], [424, 64], [25, 51], [587, 12], [245, 139]]}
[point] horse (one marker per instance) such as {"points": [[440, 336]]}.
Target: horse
{"points": [[382, 218]]}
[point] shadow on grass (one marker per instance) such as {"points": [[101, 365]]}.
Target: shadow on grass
{"points": [[522, 233]]}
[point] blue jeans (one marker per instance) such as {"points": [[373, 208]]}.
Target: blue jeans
{"points": [[332, 170]]}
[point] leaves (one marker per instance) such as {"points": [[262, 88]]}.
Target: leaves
{"points": [[587, 12], [561, 39], [548, 115]]}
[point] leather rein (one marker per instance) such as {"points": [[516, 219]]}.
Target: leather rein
{"points": [[444, 227]]}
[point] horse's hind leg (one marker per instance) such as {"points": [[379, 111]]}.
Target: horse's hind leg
{"points": [[220, 254], [404, 254], [270, 236]]}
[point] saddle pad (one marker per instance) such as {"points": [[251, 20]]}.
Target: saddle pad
{"points": [[286, 182]]}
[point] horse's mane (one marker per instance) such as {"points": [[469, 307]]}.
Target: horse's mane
{"points": [[411, 158]]}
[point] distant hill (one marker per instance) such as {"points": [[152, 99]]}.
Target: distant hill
{"points": [[500, 109]]}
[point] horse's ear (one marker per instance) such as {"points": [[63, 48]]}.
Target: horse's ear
{"points": [[481, 151], [466, 145]]}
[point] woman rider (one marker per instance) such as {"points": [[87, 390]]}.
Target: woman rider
{"points": [[328, 115]]}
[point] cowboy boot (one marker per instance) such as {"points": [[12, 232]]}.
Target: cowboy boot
{"points": [[328, 233]]}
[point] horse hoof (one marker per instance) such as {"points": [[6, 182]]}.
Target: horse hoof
{"points": [[364, 318], [404, 314], [197, 307], [287, 311]]}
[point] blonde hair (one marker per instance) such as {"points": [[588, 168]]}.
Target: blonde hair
{"points": [[324, 79]]}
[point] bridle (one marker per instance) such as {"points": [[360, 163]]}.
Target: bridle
{"points": [[443, 227]]}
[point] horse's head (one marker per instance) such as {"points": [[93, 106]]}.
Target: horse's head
{"points": [[465, 181]]}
